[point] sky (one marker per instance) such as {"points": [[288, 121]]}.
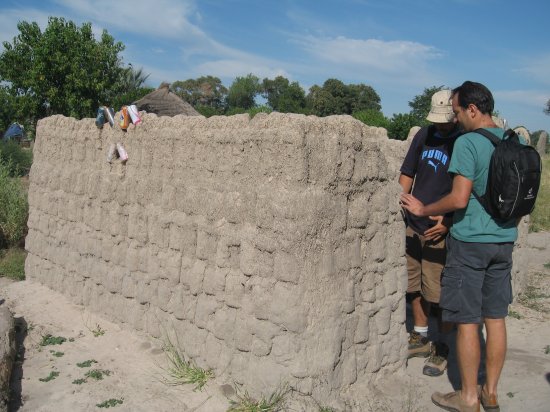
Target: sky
{"points": [[399, 47]]}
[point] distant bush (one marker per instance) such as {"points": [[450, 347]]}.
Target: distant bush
{"points": [[17, 158], [372, 117], [14, 207], [400, 125]]}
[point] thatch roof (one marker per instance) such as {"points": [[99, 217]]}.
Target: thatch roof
{"points": [[165, 103]]}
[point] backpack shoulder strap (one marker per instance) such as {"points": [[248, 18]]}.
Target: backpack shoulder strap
{"points": [[489, 135]]}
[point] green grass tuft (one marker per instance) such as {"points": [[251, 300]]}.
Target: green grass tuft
{"points": [[182, 371], [274, 403]]}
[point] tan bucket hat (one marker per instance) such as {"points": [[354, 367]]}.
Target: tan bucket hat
{"points": [[441, 110]]}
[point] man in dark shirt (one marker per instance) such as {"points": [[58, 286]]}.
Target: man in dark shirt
{"points": [[424, 174]]}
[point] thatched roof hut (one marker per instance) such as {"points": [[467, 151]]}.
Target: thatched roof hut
{"points": [[165, 103]]}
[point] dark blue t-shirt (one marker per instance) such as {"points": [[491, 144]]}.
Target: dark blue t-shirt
{"points": [[427, 162]]}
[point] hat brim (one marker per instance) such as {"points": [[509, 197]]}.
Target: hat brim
{"points": [[440, 117]]}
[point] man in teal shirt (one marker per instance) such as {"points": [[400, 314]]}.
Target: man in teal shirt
{"points": [[476, 282]]}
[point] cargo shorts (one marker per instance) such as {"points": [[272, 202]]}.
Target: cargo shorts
{"points": [[476, 281], [425, 261]]}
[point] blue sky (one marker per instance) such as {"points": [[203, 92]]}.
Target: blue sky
{"points": [[399, 47]]}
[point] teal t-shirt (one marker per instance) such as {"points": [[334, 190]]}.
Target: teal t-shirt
{"points": [[471, 156]]}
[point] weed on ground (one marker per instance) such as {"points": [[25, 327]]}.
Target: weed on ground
{"points": [[50, 377], [182, 371], [110, 403], [245, 403]]}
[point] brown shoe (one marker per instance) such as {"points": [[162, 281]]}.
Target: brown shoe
{"points": [[419, 346], [489, 402], [453, 402]]}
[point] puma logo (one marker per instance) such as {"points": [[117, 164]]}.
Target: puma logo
{"points": [[433, 164]]}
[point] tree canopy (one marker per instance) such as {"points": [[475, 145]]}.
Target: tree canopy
{"points": [[283, 96], [547, 108], [335, 97], [206, 91], [242, 92], [62, 70], [420, 104]]}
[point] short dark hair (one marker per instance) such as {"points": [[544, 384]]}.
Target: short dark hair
{"points": [[476, 94]]}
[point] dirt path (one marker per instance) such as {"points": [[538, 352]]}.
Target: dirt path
{"points": [[46, 377]]}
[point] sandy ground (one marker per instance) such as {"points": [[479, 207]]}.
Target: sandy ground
{"points": [[134, 361]]}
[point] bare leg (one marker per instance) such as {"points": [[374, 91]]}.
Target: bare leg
{"points": [[496, 352], [468, 351], [420, 310]]}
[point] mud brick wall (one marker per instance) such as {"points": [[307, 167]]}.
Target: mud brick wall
{"points": [[272, 247]]}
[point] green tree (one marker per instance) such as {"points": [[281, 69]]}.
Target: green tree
{"points": [[372, 117], [420, 104], [242, 92], [363, 97], [207, 93], [400, 125], [283, 96], [62, 70], [547, 108], [335, 97]]}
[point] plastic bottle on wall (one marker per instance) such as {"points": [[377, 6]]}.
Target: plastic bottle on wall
{"points": [[121, 152], [124, 118], [134, 114]]}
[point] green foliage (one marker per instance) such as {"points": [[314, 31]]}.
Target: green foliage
{"points": [[540, 217], [258, 109], [182, 371], [208, 111], [372, 117], [547, 108], [62, 70], [79, 381], [420, 105], [204, 92], [57, 354], [283, 96], [50, 377], [335, 97], [125, 99], [19, 159], [52, 340], [547, 350], [242, 92], [245, 403], [13, 208], [110, 403], [514, 314], [400, 125], [235, 110], [12, 263], [86, 364], [97, 374]]}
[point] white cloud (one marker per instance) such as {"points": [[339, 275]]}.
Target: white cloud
{"points": [[164, 18], [534, 98], [370, 53]]}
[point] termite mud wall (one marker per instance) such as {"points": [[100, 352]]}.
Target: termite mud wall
{"points": [[272, 247]]}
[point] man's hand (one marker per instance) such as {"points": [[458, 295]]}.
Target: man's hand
{"points": [[412, 204], [438, 231]]}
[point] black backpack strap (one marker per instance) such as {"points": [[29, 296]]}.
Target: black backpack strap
{"points": [[495, 141], [491, 136]]}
